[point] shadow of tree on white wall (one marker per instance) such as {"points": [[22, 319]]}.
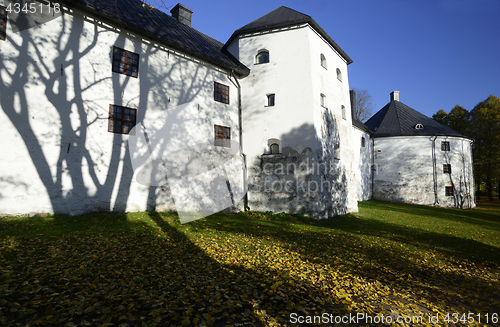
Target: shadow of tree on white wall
{"points": [[305, 178], [68, 69]]}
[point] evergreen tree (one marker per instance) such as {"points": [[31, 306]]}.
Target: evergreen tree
{"points": [[485, 130]]}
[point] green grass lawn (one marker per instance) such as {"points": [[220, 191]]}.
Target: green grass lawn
{"points": [[252, 269]]}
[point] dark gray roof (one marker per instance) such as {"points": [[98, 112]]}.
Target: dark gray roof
{"points": [[361, 126], [397, 119], [154, 24], [285, 17]]}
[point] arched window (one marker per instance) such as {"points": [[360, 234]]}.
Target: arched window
{"points": [[323, 100], [262, 57], [339, 75], [323, 60], [270, 100], [343, 113], [336, 151], [419, 126], [275, 148]]}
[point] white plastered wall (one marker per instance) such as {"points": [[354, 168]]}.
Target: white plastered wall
{"points": [[57, 155], [405, 168], [295, 75], [288, 76], [363, 160], [325, 81]]}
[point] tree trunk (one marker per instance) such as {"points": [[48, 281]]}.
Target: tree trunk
{"points": [[498, 189], [478, 190], [489, 187]]}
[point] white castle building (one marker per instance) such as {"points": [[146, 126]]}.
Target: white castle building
{"points": [[419, 160], [74, 84]]}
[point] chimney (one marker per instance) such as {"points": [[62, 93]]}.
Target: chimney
{"points": [[182, 14], [395, 96], [352, 96]]}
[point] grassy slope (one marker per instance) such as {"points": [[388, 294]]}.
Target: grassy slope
{"points": [[253, 268]]}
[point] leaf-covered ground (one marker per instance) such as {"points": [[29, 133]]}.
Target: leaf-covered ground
{"points": [[251, 269]]}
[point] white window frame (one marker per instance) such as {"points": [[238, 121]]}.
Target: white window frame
{"points": [[259, 54], [323, 101], [323, 61]]}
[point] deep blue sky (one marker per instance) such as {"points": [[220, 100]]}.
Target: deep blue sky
{"points": [[437, 53]]}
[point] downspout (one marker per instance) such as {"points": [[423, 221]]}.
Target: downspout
{"points": [[465, 183], [373, 168], [472, 171], [240, 123], [434, 177]]}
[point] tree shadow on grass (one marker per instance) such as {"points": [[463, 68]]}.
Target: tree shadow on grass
{"points": [[346, 249], [55, 226], [247, 294], [449, 245], [482, 218], [119, 276]]}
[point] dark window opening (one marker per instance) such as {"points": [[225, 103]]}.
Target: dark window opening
{"points": [[121, 119], [221, 93], [448, 190], [3, 22], [445, 146], [125, 62], [447, 168], [262, 57], [222, 136], [270, 100], [275, 148], [363, 142], [336, 151]]}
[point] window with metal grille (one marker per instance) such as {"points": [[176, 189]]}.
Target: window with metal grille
{"points": [[447, 168], [221, 93], [3, 22], [448, 190], [121, 119], [125, 62], [222, 136], [445, 146]]}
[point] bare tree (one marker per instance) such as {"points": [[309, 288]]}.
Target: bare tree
{"points": [[364, 105]]}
